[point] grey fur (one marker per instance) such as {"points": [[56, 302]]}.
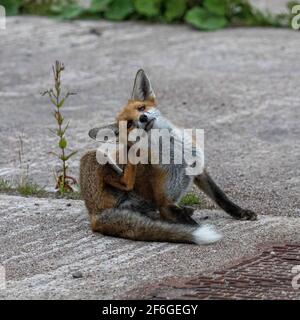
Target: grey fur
{"points": [[178, 182]]}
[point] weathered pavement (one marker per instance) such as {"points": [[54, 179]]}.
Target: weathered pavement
{"points": [[240, 85], [44, 242]]}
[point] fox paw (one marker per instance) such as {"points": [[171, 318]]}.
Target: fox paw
{"points": [[248, 215], [188, 210], [182, 215]]}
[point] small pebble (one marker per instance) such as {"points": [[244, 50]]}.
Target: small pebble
{"points": [[77, 275], [95, 31]]}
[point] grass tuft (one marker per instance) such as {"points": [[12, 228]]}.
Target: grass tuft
{"points": [[5, 186], [30, 189], [73, 195], [190, 199]]}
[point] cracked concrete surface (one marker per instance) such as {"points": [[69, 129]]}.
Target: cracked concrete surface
{"points": [[240, 85]]}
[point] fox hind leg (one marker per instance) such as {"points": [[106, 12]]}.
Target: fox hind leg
{"points": [[170, 213], [188, 210], [176, 214]]}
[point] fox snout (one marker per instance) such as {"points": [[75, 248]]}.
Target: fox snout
{"points": [[143, 118], [146, 120]]}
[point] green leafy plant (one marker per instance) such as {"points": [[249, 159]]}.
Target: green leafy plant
{"points": [[64, 182], [42, 7], [174, 9], [12, 7], [119, 9], [99, 6], [67, 10], [216, 14], [148, 8], [203, 19], [205, 15]]}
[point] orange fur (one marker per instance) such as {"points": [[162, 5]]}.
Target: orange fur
{"points": [[131, 112], [146, 180]]}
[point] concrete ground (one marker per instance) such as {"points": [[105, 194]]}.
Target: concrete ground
{"points": [[240, 85], [45, 244]]}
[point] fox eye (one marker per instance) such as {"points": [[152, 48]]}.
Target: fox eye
{"points": [[129, 124], [141, 108]]}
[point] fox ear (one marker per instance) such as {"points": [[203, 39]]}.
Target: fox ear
{"points": [[111, 126], [142, 89]]}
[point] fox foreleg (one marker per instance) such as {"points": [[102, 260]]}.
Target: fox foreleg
{"points": [[126, 182]]}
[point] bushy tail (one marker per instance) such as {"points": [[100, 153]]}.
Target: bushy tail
{"points": [[135, 226]]}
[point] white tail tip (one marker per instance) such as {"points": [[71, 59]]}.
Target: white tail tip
{"points": [[206, 234]]}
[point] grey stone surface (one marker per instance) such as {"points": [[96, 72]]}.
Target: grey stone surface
{"points": [[43, 243], [240, 85]]}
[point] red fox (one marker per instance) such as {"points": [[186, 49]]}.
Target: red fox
{"points": [[140, 201]]}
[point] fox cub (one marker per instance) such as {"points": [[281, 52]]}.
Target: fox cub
{"points": [[140, 201]]}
